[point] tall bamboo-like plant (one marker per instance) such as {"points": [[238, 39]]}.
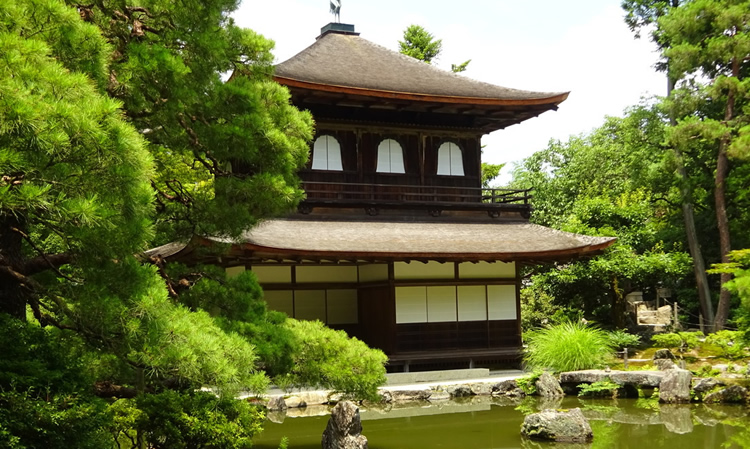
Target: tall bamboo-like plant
{"points": [[569, 346]]}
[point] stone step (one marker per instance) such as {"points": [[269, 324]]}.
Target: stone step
{"points": [[436, 376]]}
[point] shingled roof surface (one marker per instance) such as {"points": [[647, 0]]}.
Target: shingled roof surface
{"points": [[398, 238], [351, 61]]}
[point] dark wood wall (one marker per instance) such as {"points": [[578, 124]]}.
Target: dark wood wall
{"points": [[359, 152], [377, 317]]}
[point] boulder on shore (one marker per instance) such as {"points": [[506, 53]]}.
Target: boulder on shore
{"points": [[344, 429], [648, 379], [663, 354], [558, 425], [675, 387], [548, 387], [730, 394]]}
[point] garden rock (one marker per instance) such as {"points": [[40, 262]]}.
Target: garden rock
{"points": [[662, 354], [410, 395], [507, 388], [706, 385], [675, 387], [664, 364], [547, 386], [648, 379], [344, 429], [460, 391], [295, 402], [553, 425], [277, 404], [481, 389], [731, 394], [439, 395]]}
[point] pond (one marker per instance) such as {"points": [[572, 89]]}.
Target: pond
{"points": [[484, 422]]}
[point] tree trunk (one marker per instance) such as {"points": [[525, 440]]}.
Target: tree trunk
{"points": [[13, 294], [618, 305], [722, 221], [686, 197]]}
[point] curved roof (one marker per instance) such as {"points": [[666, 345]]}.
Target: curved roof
{"points": [[325, 239], [350, 64]]}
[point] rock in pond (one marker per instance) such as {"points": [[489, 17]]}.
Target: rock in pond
{"points": [[344, 429], [548, 387], [731, 394], [675, 387], [568, 426]]}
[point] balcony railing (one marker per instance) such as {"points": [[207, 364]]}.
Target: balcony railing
{"points": [[433, 198]]}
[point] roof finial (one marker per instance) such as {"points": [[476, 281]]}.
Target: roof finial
{"points": [[336, 9]]}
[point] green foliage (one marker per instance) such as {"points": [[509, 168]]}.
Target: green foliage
{"points": [[569, 346], [34, 420], [420, 44], [739, 268], [684, 341], [172, 420], [458, 68], [600, 389], [44, 400], [527, 383], [707, 371], [621, 339], [34, 359], [612, 182], [730, 343], [237, 306], [330, 359], [489, 173]]}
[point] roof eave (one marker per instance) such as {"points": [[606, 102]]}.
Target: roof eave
{"points": [[552, 101]]}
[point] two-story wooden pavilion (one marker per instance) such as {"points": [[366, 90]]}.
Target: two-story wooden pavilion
{"points": [[397, 242]]}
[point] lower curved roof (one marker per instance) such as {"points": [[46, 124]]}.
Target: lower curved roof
{"points": [[360, 240]]}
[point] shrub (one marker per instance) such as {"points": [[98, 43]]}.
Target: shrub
{"points": [[568, 346], [328, 358], [621, 339], [730, 343], [175, 420], [683, 341]]}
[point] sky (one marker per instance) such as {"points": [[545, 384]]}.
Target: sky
{"points": [[580, 46]]}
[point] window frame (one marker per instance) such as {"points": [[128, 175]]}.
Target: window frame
{"points": [[328, 149], [391, 150], [452, 148]]}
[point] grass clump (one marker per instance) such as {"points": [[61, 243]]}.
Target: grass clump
{"points": [[568, 346]]}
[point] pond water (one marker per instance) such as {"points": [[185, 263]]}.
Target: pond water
{"points": [[483, 422]]}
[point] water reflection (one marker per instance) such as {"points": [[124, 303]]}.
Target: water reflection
{"points": [[484, 422]]}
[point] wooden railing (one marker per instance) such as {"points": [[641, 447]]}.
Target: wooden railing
{"points": [[339, 194]]}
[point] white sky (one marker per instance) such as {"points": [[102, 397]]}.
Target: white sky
{"points": [[582, 46]]}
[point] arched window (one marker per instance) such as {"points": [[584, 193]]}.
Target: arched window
{"points": [[390, 157], [326, 154], [450, 160]]}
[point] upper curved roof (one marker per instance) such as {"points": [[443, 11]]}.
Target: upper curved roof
{"points": [[351, 64]]}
